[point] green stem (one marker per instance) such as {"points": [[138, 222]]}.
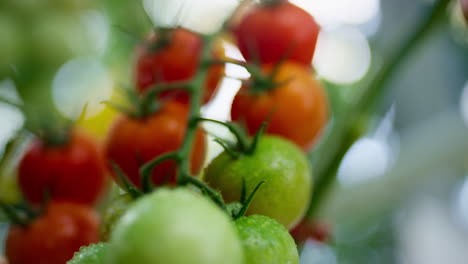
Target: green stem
{"points": [[181, 156], [12, 215], [11, 103], [147, 170], [213, 194], [339, 140]]}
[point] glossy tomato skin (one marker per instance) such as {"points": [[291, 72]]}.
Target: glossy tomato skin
{"points": [[266, 241], [72, 172], [283, 168], [269, 32], [175, 226], [54, 237], [133, 142], [177, 61], [298, 108]]}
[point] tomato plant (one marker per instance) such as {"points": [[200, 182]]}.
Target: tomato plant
{"points": [[54, 237], [275, 29], [280, 164], [134, 141], [173, 55], [71, 171], [293, 101], [266, 241], [175, 226]]}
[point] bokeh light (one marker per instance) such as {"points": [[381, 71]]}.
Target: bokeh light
{"points": [[368, 158], [464, 103], [427, 235], [204, 16], [317, 253], [462, 203], [98, 29], [343, 55], [80, 82], [336, 12]]}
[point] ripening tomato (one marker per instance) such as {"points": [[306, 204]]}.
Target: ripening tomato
{"points": [[54, 237], [271, 31], [175, 226], [133, 142], [283, 168], [298, 105], [174, 59], [74, 171]]}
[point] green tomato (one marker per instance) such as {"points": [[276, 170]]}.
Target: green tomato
{"points": [[175, 226], [266, 241], [92, 254], [281, 165], [112, 213]]}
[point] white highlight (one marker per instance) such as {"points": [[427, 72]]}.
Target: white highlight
{"points": [[342, 55], [79, 82], [204, 16]]}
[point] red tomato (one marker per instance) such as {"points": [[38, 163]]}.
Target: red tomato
{"points": [[318, 231], [175, 61], [73, 172], [133, 142], [298, 107], [270, 31], [54, 237], [464, 6]]}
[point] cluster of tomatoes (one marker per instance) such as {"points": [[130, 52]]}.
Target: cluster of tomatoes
{"points": [[264, 177]]}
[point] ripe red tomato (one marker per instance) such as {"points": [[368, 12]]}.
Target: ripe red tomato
{"points": [[464, 6], [175, 61], [54, 237], [298, 107], [270, 31], [133, 142], [73, 172], [305, 230]]}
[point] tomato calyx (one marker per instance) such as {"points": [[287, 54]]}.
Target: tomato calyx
{"points": [[146, 104], [128, 186], [238, 209], [242, 146], [272, 3], [21, 214], [162, 39]]}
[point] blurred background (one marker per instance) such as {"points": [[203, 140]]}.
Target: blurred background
{"points": [[401, 194]]}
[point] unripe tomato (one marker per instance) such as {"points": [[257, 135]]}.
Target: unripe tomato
{"points": [[54, 237], [175, 226], [281, 165], [74, 171], [270, 31], [175, 61], [266, 241], [92, 254], [112, 214], [133, 142], [298, 106]]}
